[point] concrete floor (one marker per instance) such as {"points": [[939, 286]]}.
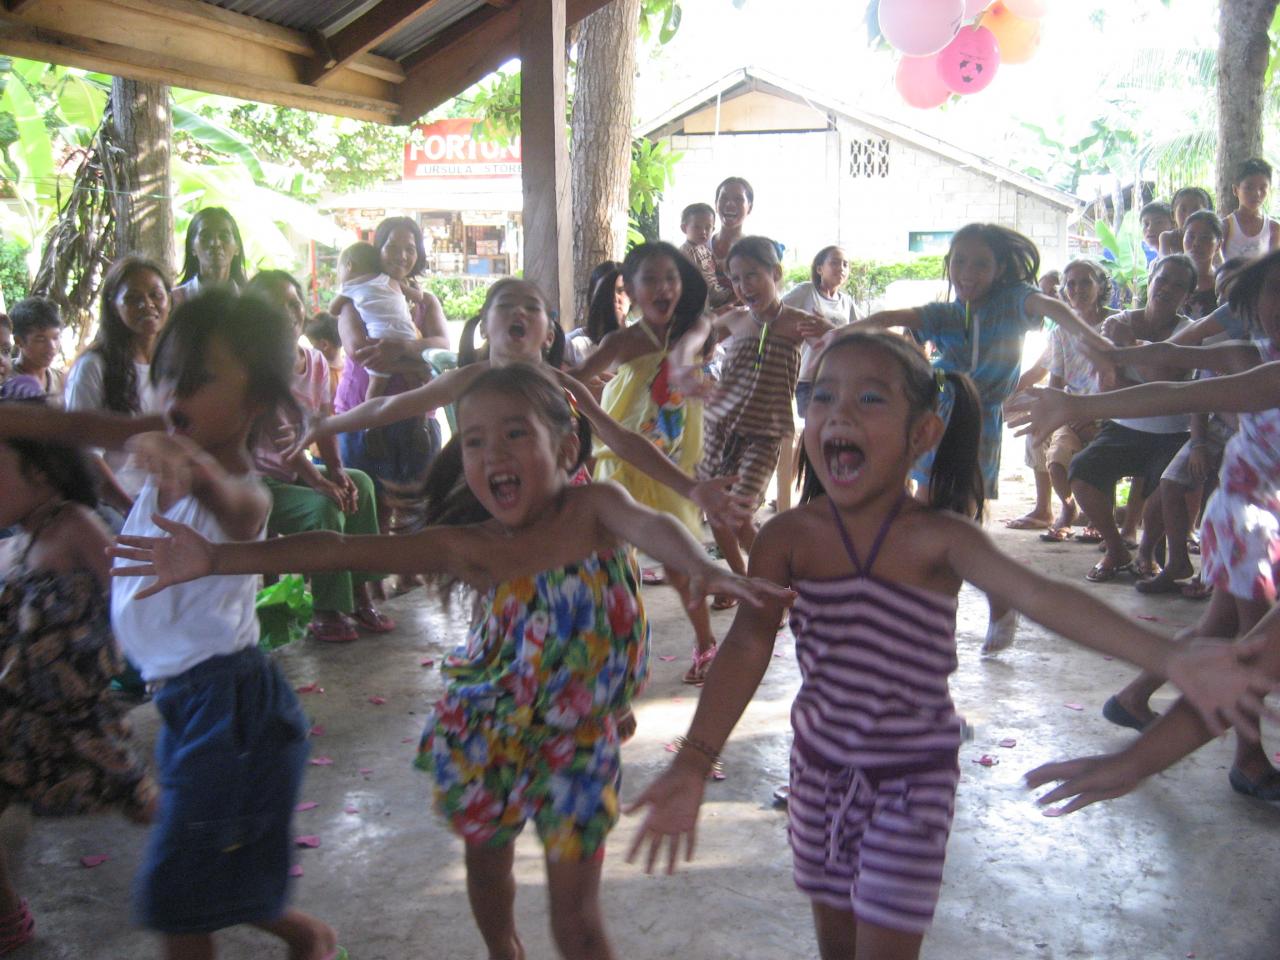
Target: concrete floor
{"points": [[1182, 868]]}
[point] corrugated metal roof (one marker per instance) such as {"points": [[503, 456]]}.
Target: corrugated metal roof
{"points": [[418, 32], [329, 16]]}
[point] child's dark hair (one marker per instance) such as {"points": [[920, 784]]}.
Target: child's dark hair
{"points": [[693, 288], [955, 482], [1208, 218], [114, 342], [191, 263], [1251, 168], [256, 332], [469, 353], [760, 249], [64, 468], [1200, 193], [1016, 256], [449, 501], [389, 226], [362, 257], [1247, 287], [266, 282], [602, 313], [1182, 261], [737, 181], [322, 326], [815, 270], [1101, 279], [699, 209], [31, 314], [1157, 208]]}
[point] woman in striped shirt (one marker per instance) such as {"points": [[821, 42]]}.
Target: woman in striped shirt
{"points": [[876, 575]]}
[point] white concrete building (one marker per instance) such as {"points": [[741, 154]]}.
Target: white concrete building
{"points": [[828, 172]]}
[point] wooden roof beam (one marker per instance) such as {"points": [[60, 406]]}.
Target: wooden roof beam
{"points": [[468, 51], [364, 33]]}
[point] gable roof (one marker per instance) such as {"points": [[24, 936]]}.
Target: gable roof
{"points": [[748, 79]]}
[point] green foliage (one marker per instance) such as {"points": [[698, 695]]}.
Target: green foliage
{"points": [[1129, 267], [497, 104], [869, 279], [14, 280], [652, 170], [662, 16], [461, 299]]}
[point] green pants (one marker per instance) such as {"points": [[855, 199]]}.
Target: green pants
{"points": [[297, 508]]}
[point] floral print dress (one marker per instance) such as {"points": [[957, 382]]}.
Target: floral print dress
{"points": [[1240, 535], [526, 728], [64, 742]]}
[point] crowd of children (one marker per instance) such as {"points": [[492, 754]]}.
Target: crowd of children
{"points": [[572, 451]]}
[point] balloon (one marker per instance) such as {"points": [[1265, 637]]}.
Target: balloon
{"points": [[968, 63], [918, 81], [918, 28], [974, 7], [1027, 9], [1017, 37]]}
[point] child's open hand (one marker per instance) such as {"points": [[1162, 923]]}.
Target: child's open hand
{"points": [[716, 581], [1084, 780], [182, 556], [673, 801], [1221, 681], [717, 500], [293, 442], [1039, 411]]}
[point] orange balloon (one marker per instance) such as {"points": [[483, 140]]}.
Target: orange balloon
{"points": [[1017, 37]]}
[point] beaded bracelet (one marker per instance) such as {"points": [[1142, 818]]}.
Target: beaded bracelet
{"points": [[702, 748]]}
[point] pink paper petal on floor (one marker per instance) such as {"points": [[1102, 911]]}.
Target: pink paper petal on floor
{"points": [[1108, 658], [305, 806], [377, 701], [407, 740], [295, 870], [94, 860], [672, 748], [666, 659], [1007, 743], [1051, 812], [717, 775], [365, 771], [350, 809], [1277, 757], [986, 760], [310, 841], [309, 688], [1074, 706], [677, 699], [777, 653], [428, 662], [318, 730], [1143, 616], [322, 761]]}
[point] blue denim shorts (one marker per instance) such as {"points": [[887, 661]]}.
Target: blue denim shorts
{"points": [[229, 759]]}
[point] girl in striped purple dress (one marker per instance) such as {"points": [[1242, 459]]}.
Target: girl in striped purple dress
{"points": [[876, 575]]}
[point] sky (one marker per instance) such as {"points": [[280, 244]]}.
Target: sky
{"points": [[822, 44]]}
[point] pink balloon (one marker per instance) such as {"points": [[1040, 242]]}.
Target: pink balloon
{"points": [[974, 7], [1029, 9], [968, 63], [919, 83], [918, 28]]}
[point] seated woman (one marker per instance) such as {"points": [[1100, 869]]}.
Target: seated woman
{"points": [[306, 497]]}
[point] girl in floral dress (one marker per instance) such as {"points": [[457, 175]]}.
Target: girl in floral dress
{"points": [[526, 729], [64, 743]]}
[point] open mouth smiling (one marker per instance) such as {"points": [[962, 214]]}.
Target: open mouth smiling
{"points": [[844, 460], [505, 488]]}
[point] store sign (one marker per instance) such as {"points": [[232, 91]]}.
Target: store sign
{"points": [[447, 149]]}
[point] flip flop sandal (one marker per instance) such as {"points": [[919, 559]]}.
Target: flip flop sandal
{"points": [[1158, 584], [653, 576], [1267, 788], [781, 795], [1104, 572], [1088, 535], [1196, 589], [367, 618], [17, 929], [1056, 535], [1027, 523], [724, 603], [696, 675], [1147, 570], [1121, 717], [332, 631]]}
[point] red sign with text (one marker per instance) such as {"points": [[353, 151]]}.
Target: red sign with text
{"points": [[447, 149]]}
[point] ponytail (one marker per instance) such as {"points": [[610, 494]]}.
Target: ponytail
{"points": [[467, 341], [955, 482]]}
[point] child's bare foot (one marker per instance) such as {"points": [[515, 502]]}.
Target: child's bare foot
{"points": [[515, 953], [627, 724], [308, 937]]}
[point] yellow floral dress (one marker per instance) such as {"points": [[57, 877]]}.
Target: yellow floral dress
{"points": [[526, 727], [640, 397]]}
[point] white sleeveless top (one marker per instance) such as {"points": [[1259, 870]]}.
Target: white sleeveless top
{"points": [[189, 623], [1239, 244]]}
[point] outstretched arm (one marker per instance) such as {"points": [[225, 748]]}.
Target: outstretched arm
{"points": [[380, 411], [1224, 690], [673, 800], [1094, 343], [91, 428], [1228, 358]]}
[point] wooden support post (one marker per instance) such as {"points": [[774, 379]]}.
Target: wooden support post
{"points": [[144, 206], [548, 226]]}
